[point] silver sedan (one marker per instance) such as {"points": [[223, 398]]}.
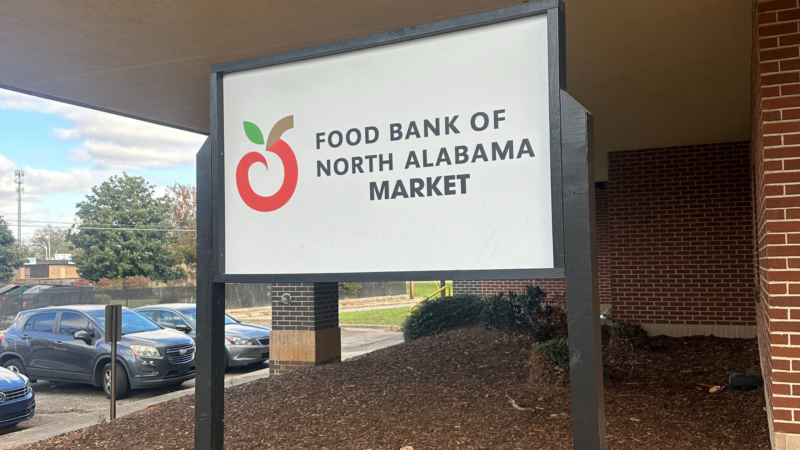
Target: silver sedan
{"points": [[245, 343]]}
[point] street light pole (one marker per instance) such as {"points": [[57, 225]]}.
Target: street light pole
{"points": [[19, 180]]}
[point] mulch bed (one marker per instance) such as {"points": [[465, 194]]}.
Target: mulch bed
{"points": [[452, 391]]}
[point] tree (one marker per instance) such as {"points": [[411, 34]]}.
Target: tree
{"points": [[48, 241], [109, 242], [11, 255], [184, 217]]}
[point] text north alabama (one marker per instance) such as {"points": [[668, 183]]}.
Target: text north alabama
{"points": [[418, 159]]}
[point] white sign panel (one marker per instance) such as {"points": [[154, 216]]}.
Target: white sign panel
{"points": [[426, 155]]}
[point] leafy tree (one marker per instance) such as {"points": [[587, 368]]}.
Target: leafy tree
{"points": [[109, 244], [184, 217], [11, 255], [57, 242]]}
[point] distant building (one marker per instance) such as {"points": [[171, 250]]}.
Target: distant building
{"points": [[46, 269]]}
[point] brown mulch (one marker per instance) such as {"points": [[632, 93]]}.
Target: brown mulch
{"points": [[453, 391]]}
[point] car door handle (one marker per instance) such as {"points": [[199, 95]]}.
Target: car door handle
{"points": [[59, 342], [24, 336]]}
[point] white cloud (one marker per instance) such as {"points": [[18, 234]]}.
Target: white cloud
{"points": [[111, 141], [39, 182]]}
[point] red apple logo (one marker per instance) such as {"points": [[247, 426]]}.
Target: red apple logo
{"points": [[275, 145]]}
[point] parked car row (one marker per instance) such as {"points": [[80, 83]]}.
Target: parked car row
{"points": [[67, 344]]}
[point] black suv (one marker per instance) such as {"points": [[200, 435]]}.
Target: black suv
{"points": [[66, 344]]}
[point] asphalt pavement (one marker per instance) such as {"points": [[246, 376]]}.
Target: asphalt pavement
{"points": [[62, 407]]}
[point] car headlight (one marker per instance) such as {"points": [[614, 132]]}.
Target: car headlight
{"points": [[144, 351], [238, 341]]}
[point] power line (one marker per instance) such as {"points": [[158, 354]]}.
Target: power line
{"points": [[180, 230], [26, 223]]}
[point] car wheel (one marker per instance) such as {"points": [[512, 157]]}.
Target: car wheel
{"points": [[122, 381], [16, 366]]}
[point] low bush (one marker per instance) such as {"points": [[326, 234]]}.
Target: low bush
{"points": [[107, 283], [136, 282], [527, 314], [440, 314], [550, 361], [630, 333]]}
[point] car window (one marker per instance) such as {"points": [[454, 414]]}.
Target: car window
{"points": [[132, 322], [149, 313], [29, 323], [192, 314], [71, 323], [43, 323], [169, 319]]}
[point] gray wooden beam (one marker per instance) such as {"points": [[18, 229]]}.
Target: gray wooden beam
{"points": [[583, 302], [209, 400]]}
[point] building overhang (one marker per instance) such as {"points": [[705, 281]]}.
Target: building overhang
{"points": [[654, 74]]}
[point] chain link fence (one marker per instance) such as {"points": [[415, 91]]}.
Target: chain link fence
{"points": [[371, 289], [237, 296]]}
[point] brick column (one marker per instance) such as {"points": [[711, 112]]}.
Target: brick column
{"points": [[305, 332], [776, 168]]}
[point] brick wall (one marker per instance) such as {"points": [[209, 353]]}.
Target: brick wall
{"points": [[776, 167], [680, 244], [555, 289], [467, 287]]}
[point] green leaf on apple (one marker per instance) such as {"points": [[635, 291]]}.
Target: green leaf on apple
{"points": [[253, 133]]}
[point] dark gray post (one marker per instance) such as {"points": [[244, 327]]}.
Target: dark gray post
{"points": [[209, 406], [583, 302]]}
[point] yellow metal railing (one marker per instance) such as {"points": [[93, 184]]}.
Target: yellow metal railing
{"points": [[445, 288]]}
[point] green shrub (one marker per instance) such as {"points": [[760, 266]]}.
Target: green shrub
{"points": [[550, 361], [136, 282], [528, 314], [631, 333], [440, 314], [107, 283]]}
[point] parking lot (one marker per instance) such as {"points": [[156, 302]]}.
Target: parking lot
{"points": [[61, 407]]}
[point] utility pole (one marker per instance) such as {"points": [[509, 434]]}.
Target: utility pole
{"points": [[19, 180]]}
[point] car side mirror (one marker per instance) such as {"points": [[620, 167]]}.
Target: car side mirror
{"points": [[183, 328], [83, 335]]}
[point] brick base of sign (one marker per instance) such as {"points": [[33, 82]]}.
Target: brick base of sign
{"points": [[305, 345], [305, 331]]}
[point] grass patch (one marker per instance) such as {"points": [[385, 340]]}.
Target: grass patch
{"points": [[389, 316], [423, 289]]}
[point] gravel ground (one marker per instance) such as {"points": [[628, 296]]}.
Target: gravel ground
{"points": [[453, 391]]}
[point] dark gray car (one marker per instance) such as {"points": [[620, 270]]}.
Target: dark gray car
{"points": [[245, 343], [66, 344]]}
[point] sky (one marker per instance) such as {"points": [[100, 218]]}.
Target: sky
{"points": [[66, 149]]}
